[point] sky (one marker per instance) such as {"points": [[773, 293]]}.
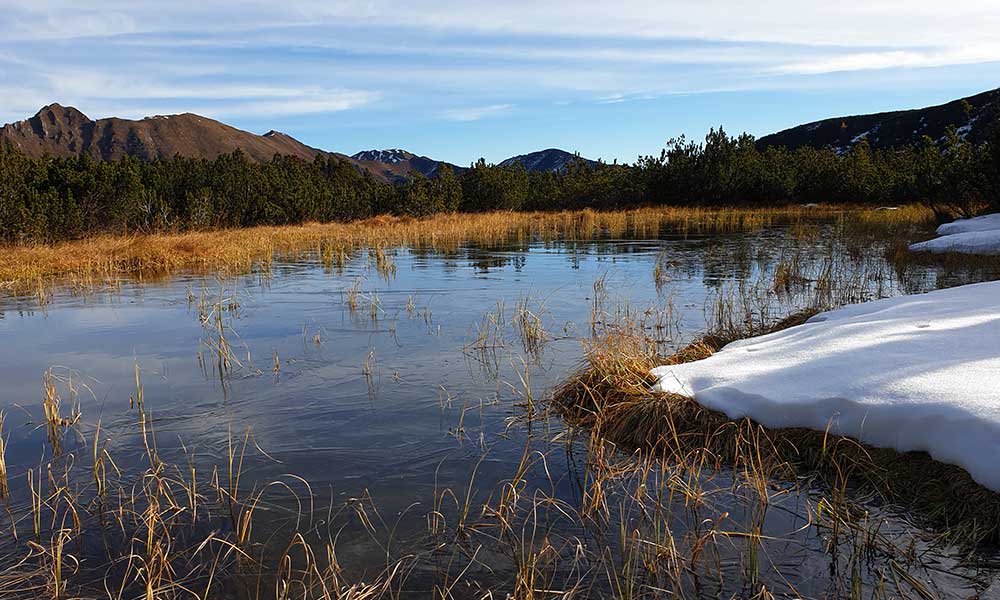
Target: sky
{"points": [[459, 80]]}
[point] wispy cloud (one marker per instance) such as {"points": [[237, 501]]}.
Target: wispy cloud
{"points": [[390, 62], [319, 103], [476, 113], [894, 59]]}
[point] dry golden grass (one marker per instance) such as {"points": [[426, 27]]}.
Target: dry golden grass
{"points": [[103, 258]]}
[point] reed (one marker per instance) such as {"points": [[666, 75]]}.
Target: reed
{"points": [[529, 327], [106, 258], [162, 532]]}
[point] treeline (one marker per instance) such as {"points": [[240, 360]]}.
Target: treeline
{"points": [[51, 199]]}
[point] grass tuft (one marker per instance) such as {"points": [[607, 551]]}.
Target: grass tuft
{"points": [[611, 395]]}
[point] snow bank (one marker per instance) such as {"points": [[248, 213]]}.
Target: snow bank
{"points": [[983, 223], [980, 235], [969, 242], [911, 373]]}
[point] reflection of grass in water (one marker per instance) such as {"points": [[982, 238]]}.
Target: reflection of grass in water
{"points": [[702, 486], [690, 518], [102, 260], [385, 263], [610, 396]]}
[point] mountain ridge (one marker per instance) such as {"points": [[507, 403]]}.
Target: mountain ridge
{"points": [[64, 131], [396, 164], [972, 116], [551, 159]]}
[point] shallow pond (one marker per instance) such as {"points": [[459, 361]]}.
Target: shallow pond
{"points": [[392, 379]]}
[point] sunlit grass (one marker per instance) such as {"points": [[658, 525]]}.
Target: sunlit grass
{"points": [[102, 260]]}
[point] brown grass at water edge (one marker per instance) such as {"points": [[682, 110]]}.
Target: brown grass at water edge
{"points": [[896, 220], [104, 258], [611, 395], [900, 256]]}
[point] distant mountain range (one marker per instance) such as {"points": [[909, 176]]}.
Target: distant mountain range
{"points": [[973, 116], [64, 131]]}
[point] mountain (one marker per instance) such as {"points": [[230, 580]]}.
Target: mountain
{"points": [[898, 128], [552, 159], [65, 131], [396, 164]]}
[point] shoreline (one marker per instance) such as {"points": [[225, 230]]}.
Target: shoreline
{"points": [[613, 397], [95, 260]]}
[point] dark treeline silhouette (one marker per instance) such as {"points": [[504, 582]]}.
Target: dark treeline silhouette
{"points": [[50, 199]]}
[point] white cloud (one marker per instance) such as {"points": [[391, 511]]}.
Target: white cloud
{"points": [[318, 103], [863, 61], [893, 23], [461, 60], [477, 112]]}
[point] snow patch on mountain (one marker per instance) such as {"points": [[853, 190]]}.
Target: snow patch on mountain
{"points": [[391, 156]]}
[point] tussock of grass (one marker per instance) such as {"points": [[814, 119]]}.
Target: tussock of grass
{"points": [[612, 396]]}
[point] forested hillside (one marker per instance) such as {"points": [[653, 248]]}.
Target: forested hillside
{"points": [[54, 198]]}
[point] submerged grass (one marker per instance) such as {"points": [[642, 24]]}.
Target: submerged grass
{"points": [[103, 259]]}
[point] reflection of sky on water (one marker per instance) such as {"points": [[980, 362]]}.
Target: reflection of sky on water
{"points": [[320, 416]]}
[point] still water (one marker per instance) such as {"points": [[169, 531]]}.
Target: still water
{"points": [[371, 387]]}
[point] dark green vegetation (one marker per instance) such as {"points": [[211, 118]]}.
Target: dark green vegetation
{"points": [[51, 199]]}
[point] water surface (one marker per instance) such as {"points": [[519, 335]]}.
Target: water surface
{"points": [[387, 406]]}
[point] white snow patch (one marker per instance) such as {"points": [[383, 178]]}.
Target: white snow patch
{"points": [[970, 242], [392, 156], [866, 134], [911, 373], [980, 235], [983, 223]]}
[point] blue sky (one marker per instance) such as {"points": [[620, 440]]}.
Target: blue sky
{"points": [[459, 80]]}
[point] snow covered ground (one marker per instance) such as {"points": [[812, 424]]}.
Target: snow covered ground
{"points": [[915, 372], [983, 223], [980, 235]]}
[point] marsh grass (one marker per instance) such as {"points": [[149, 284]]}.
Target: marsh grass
{"points": [[104, 260], [529, 327], [672, 501], [611, 396], [165, 530]]}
